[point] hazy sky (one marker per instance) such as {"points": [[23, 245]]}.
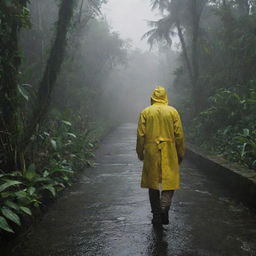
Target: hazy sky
{"points": [[129, 18]]}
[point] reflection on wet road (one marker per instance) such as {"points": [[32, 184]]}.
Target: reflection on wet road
{"points": [[107, 213]]}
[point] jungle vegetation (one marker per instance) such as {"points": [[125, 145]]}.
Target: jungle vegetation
{"points": [[54, 58], [215, 80], [66, 78]]}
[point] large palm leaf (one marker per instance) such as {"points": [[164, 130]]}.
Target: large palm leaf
{"points": [[161, 30], [161, 4]]}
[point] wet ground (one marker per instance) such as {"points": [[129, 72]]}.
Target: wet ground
{"points": [[107, 213]]}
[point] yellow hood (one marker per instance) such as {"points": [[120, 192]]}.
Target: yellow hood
{"points": [[159, 95]]}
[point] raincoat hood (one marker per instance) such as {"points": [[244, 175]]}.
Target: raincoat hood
{"points": [[159, 95]]}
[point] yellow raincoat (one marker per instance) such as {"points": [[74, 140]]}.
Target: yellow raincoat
{"points": [[160, 143]]}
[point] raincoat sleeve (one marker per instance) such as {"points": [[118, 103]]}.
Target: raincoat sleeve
{"points": [[179, 136], [141, 137]]}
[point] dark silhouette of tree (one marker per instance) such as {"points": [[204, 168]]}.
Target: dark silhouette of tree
{"points": [[181, 15], [13, 17]]}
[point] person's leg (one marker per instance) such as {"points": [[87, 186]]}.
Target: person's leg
{"points": [[154, 198], [165, 203]]}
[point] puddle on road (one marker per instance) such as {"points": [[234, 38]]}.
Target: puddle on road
{"points": [[112, 164], [247, 247], [121, 218], [203, 192]]}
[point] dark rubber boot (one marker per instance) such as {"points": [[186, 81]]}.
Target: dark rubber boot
{"points": [[154, 197], [157, 220], [165, 216]]}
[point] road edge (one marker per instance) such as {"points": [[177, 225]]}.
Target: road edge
{"points": [[241, 180]]}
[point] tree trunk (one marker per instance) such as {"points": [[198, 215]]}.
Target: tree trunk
{"points": [[184, 50], [194, 55], [52, 69], [192, 63], [9, 67], [243, 7]]}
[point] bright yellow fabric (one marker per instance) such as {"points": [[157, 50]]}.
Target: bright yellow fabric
{"points": [[160, 141]]}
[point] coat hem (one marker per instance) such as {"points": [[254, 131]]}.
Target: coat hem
{"points": [[157, 188]]}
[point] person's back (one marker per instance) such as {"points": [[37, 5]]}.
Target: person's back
{"points": [[160, 121], [160, 144]]}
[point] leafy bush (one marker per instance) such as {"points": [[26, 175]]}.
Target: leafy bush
{"points": [[15, 199], [57, 153], [228, 125]]}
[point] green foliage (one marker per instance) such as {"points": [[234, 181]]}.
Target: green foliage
{"points": [[228, 125], [41, 153], [226, 74], [4, 225], [62, 150], [14, 16], [15, 199]]}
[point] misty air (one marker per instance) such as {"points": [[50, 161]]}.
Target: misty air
{"points": [[127, 128]]}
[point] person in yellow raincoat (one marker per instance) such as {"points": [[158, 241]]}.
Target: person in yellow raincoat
{"points": [[160, 145]]}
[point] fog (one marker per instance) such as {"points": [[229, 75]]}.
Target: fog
{"points": [[71, 71], [129, 87], [129, 18]]}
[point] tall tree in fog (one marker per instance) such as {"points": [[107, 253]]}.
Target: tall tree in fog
{"points": [[55, 60], [52, 67], [13, 17], [243, 6], [16, 130], [90, 61], [180, 16]]}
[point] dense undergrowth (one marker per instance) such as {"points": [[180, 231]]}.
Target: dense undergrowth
{"points": [[228, 126], [61, 149], [55, 59]]}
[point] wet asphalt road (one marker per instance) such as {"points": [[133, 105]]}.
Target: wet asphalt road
{"points": [[107, 213]]}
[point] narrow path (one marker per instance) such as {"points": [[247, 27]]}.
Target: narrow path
{"points": [[107, 213]]}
